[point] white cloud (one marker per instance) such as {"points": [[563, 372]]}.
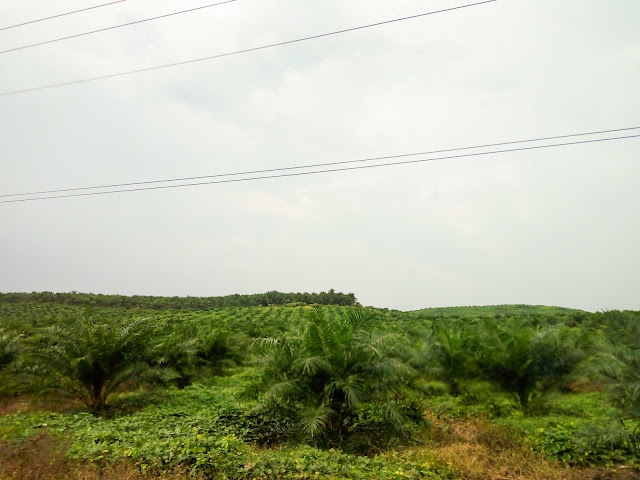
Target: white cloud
{"points": [[549, 226]]}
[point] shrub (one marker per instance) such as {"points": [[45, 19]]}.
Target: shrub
{"points": [[454, 350], [89, 360], [334, 367], [526, 360]]}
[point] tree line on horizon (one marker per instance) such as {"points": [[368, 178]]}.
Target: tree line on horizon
{"points": [[273, 297]]}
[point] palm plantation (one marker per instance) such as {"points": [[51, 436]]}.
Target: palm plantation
{"points": [[324, 391]]}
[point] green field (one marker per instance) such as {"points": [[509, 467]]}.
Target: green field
{"points": [[271, 387]]}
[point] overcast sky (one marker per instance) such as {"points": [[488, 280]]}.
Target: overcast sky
{"points": [[554, 226]]}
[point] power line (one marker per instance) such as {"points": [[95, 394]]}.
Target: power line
{"points": [[239, 52], [297, 174], [316, 165], [61, 15], [116, 26]]}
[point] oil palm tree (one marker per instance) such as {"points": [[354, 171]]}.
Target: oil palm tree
{"points": [[525, 360], [8, 348], [618, 363], [327, 370], [89, 360], [188, 348], [454, 349]]}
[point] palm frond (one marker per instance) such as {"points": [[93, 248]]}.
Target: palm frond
{"points": [[314, 419], [311, 365], [393, 413], [352, 387], [280, 389]]}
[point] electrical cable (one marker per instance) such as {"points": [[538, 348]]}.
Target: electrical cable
{"points": [[61, 15], [359, 167], [116, 26], [237, 52], [344, 162]]}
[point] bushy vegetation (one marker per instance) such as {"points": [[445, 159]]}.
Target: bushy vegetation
{"points": [[89, 361], [205, 429], [316, 391], [8, 348], [334, 372]]}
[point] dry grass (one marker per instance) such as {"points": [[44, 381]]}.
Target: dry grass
{"points": [[42, 458], [9, 405], [586, 387], [477, 450], [28, 404]]}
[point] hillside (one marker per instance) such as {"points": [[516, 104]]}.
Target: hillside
{"points": [[284, 392], [494, 310]]}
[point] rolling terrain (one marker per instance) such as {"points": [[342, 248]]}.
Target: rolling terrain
{"points": [[226, 387]]}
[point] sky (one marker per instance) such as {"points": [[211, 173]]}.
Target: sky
{"points": [[554, 226]]}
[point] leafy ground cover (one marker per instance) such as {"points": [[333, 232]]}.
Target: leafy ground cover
{"points": [[326, 392], [205, 429]]}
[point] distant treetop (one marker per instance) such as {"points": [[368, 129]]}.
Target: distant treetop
{"points": [[183, 303]]}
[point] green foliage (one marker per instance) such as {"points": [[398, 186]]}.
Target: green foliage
{"points": [[608, 442], [454, 345], [497, 310], [194, 349], [480, 400], [573, 440], [89, 360], [325, 373], [577, 429], [182, 303], [528, 360], [199, 428], [620, 363], [9, 348], [514, 353], [623, 367]]}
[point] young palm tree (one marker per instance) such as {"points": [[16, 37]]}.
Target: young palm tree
{"points": [[618, 362], [89, 360], [332, 367], [8, 348], [454, 350], [190, 347], [524, 359], [621, 366]]}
